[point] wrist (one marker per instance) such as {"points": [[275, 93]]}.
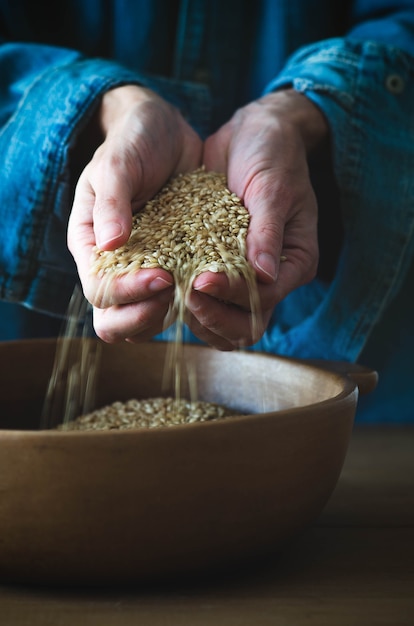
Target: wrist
{"points": [[302, 114], [118, 101]]}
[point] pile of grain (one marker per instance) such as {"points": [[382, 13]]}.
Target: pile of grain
{"points": [[148, 413], [194, 224]]}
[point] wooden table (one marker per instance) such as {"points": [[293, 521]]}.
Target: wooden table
{"points": [[354, 566]]}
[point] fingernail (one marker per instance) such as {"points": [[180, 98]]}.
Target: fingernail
{"points": [[205, 287], [109, 233], [159, 283], [266, 263]]}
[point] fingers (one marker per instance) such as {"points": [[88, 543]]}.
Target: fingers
{"points": [[135, 321], [300, 249], [229, 313], [223, 324], [112, 290], [283, 220], [234, 290]]}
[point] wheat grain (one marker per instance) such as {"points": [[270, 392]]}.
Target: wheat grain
{"points": [[148, 413], [193, 225]]}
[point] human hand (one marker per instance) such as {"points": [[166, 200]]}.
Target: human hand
{"points": [[263, 150], [146, 141]]}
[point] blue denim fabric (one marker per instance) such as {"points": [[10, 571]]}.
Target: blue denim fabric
{"points": [[356, 62], [36, 190], [373, 127]]}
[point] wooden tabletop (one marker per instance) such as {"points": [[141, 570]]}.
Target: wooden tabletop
{"points": [[354, 566]]}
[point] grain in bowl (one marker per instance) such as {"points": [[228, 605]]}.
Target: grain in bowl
{"points": [[148, 413]]}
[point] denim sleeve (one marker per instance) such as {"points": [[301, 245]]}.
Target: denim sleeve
{"points": [[389, 22], [47, 96], [366, 91]]}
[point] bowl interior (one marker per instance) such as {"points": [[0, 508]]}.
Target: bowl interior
{"points": [[247, 382]]}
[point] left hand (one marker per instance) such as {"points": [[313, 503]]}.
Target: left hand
{"points": [[145, 141], [263, 150]]}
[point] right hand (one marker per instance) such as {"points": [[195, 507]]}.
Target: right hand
{"points": [[263, 150], [146, 141]]}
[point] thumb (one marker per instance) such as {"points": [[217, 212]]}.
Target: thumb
{"points": [[264, 245], [267, 224], [112, 213]]}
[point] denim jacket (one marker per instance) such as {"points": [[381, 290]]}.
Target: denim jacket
{"points": [[354, 60]]}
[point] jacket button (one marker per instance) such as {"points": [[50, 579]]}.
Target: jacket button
{"points": [[395, 83]]}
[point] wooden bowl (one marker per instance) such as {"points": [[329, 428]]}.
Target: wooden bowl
{"points": [[111, 507]]}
